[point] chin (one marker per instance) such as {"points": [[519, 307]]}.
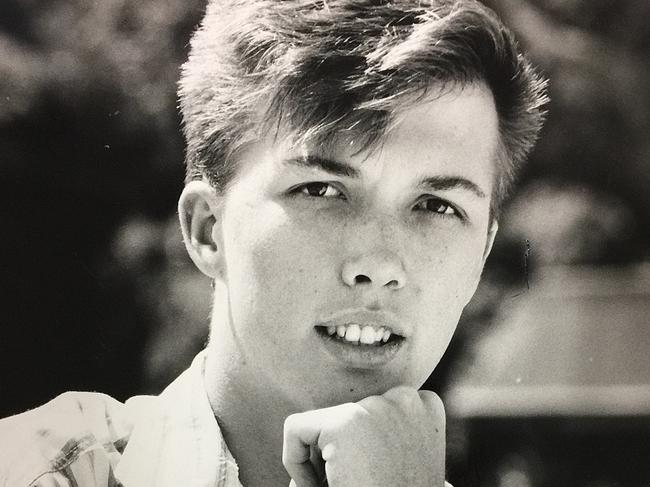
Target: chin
{"points": [[351, 391]]}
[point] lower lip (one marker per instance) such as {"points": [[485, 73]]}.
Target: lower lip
{"points": [[360, 356]]}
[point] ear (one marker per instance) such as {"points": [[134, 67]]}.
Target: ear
{"points": [[199, 210], [492, 233]]}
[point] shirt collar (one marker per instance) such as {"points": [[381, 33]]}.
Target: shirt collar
{"points": [[176, 439]]}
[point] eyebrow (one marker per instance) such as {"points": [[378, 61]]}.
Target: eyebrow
{"points": [[441, 183], [338, 168], [324, 164]]}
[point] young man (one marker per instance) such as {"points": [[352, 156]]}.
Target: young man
{"points": [[346, 164]]}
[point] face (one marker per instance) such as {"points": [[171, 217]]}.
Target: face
{"points": [[384, 247]]}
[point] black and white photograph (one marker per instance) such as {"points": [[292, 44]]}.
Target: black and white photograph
{"points": [[343, 243]]}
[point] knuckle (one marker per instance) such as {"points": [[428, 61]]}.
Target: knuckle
{"points": [[408, 397], [346, 418], [291, 422], [432, 402], [403, 396], [404, 401], [370, 403], [434, 408]]}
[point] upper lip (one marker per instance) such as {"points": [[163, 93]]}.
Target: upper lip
{"points": [[376, 319]]}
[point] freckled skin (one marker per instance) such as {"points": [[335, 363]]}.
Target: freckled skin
{"points": [[284, 253]]}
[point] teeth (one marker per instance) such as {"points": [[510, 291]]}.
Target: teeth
{"points": [[367, 335], [379, 334], [358, 334], [352, 333]]}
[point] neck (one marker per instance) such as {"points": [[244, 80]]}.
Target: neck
{"points": [[250, 415]]}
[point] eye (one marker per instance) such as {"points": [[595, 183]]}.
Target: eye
{"points": [[436, 205], [318, 190]]}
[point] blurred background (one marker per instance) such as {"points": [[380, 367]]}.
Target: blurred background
{"points": [[547, 382]]}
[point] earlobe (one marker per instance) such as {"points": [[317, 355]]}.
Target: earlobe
{"points": [[199, 209]]}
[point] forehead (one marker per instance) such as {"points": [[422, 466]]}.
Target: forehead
{"points": [[452, 114], [447, 126], [452, 129]]}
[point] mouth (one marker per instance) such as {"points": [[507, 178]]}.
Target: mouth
{"points": [[359, 335], [360, 346]]}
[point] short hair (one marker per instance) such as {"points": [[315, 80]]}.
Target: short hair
{"points": [[328, 67]]}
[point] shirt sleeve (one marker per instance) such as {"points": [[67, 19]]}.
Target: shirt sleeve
{"points": [[74, 440]]}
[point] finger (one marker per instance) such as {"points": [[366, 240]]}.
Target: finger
{"points": [[435, 408], [301, 431], [403, 396], [316, 459], [434, 405]]}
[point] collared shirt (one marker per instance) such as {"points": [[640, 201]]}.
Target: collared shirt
{"points": [[92, 440], [85, 439]]}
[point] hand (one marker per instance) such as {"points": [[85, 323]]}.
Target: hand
{"points": [[391, 440]]}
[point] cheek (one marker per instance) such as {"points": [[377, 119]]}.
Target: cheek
{"points": [[447, 270], [274, 260], [446, 279]]}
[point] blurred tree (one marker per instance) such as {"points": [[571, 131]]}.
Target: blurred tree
{"points": [[91, 165], [89, 135], [595, 53], [570, 224]]}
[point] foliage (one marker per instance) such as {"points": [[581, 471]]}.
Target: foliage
{"points": [[91, 148]]}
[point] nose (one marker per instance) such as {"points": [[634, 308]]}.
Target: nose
{"points": [[377, 269]]}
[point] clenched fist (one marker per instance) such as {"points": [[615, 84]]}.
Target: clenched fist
{"points": [[396, 439]]}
